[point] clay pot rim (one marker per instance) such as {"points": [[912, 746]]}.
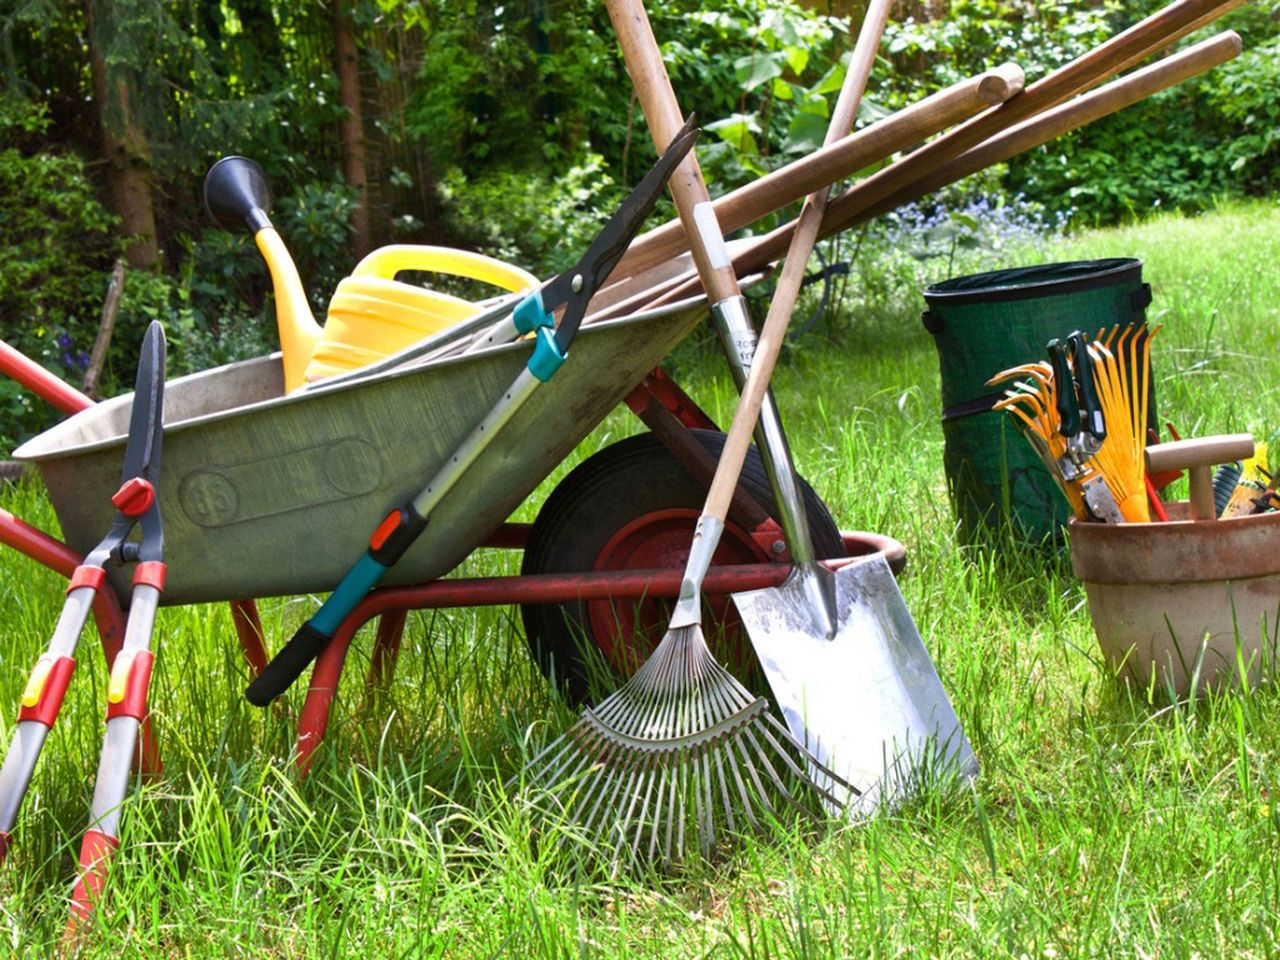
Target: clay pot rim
{"points": [[1176, 551]]}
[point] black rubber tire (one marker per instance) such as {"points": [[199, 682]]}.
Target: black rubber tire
{"points": [[603, 494]]}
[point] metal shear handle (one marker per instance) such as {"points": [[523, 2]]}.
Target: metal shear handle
{"points": [[47, 686]]}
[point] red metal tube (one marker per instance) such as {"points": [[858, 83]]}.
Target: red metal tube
{"points": [[244, 617], [40, 381], [499, 591]]}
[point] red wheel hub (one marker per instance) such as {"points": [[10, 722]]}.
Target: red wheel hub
{"points": [[627, 632]]}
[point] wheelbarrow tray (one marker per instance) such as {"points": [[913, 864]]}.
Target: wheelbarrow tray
{"points": [[264, 494]]}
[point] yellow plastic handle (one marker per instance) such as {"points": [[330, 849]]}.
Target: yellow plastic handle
{"points": [[386, 262]]}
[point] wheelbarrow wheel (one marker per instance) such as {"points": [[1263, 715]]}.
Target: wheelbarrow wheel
{"points": [[634, 506]]}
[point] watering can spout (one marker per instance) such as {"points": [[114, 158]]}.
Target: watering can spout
{"points": [[299, 332], [238, 197]]}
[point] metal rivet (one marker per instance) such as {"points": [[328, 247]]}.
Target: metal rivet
{"points": [[576, 283], [779, 546]]}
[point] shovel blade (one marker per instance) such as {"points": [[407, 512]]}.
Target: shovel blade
{"points": [[861, 694]]}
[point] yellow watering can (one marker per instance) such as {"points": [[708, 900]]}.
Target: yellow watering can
{"points": [[371, 314]]}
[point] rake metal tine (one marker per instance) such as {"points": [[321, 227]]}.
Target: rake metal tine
{"points": [[638, 799], [671, 811], [702, 804], [576, 756], [777, 779], [664, 775], [754, 774], [599, 790], [562, 743], [686, 787], [620, 829], [736, 769], [647, 817], [724, 791], [625, 781], [827, 772]]}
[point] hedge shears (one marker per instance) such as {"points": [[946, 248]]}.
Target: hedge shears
{"points": [[130, 676]]}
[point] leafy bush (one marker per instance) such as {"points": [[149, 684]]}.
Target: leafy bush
{"points": [[54, 262], [541, 222]]}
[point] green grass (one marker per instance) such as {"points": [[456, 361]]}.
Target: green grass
{"points": [[1102, 824]]}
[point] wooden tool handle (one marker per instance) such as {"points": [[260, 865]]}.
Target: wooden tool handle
{"points": [[662, 114], [1197, 455], [1198, 452], [1061, 119], [850, 208], [788, 286], [884, 188], [841, 157]]}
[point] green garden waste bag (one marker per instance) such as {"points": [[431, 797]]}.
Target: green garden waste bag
{"points": [[986, 323]]}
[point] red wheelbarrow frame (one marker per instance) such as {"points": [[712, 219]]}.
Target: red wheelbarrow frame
{"points": [[658, 401]]}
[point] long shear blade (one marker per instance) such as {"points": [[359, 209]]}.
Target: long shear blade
{"points": [[589, 273], [142, 449]]}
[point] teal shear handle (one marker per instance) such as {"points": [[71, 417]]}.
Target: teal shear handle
{"points": [[534, 314], [394, 535]]}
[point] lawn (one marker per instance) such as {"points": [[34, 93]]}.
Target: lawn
{"points": [[1103, 823]]}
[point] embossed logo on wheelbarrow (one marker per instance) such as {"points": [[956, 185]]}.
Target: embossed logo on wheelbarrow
{"points": [[297, 480]]}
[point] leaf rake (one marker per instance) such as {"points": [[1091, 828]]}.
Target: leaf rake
{"points": [[681, 736]]}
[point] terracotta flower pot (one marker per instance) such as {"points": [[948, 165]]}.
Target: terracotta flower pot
{"points": [[1185, 598]]}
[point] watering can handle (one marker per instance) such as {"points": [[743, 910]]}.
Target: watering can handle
{"points": [[386, 262]]}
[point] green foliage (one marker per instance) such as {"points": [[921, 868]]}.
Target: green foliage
{"points": [[53, 263], [541, 221], [316, 220]]}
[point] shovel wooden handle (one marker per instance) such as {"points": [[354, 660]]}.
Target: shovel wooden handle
{"points": [[657, 99], [662, 114]]}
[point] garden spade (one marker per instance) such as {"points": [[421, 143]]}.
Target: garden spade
{"points": [[854, 682]]}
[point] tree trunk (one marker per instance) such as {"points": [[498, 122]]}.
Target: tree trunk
{"points": [[124, 145], [351, 131]]}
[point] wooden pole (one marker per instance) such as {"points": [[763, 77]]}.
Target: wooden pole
{"points": [[107, 323], [837, 159]]}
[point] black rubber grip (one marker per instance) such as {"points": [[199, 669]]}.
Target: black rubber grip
{"points": [[287, 665]]}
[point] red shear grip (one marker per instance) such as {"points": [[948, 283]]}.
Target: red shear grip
{"points": [[45, 710], [385, 529], [95, 858], [134, 702], [4, 845], [87, 575], [150, 573]]}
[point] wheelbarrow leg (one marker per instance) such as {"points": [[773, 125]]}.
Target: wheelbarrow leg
{"points": [[386, 648], [244, 617], [314, 720]]}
